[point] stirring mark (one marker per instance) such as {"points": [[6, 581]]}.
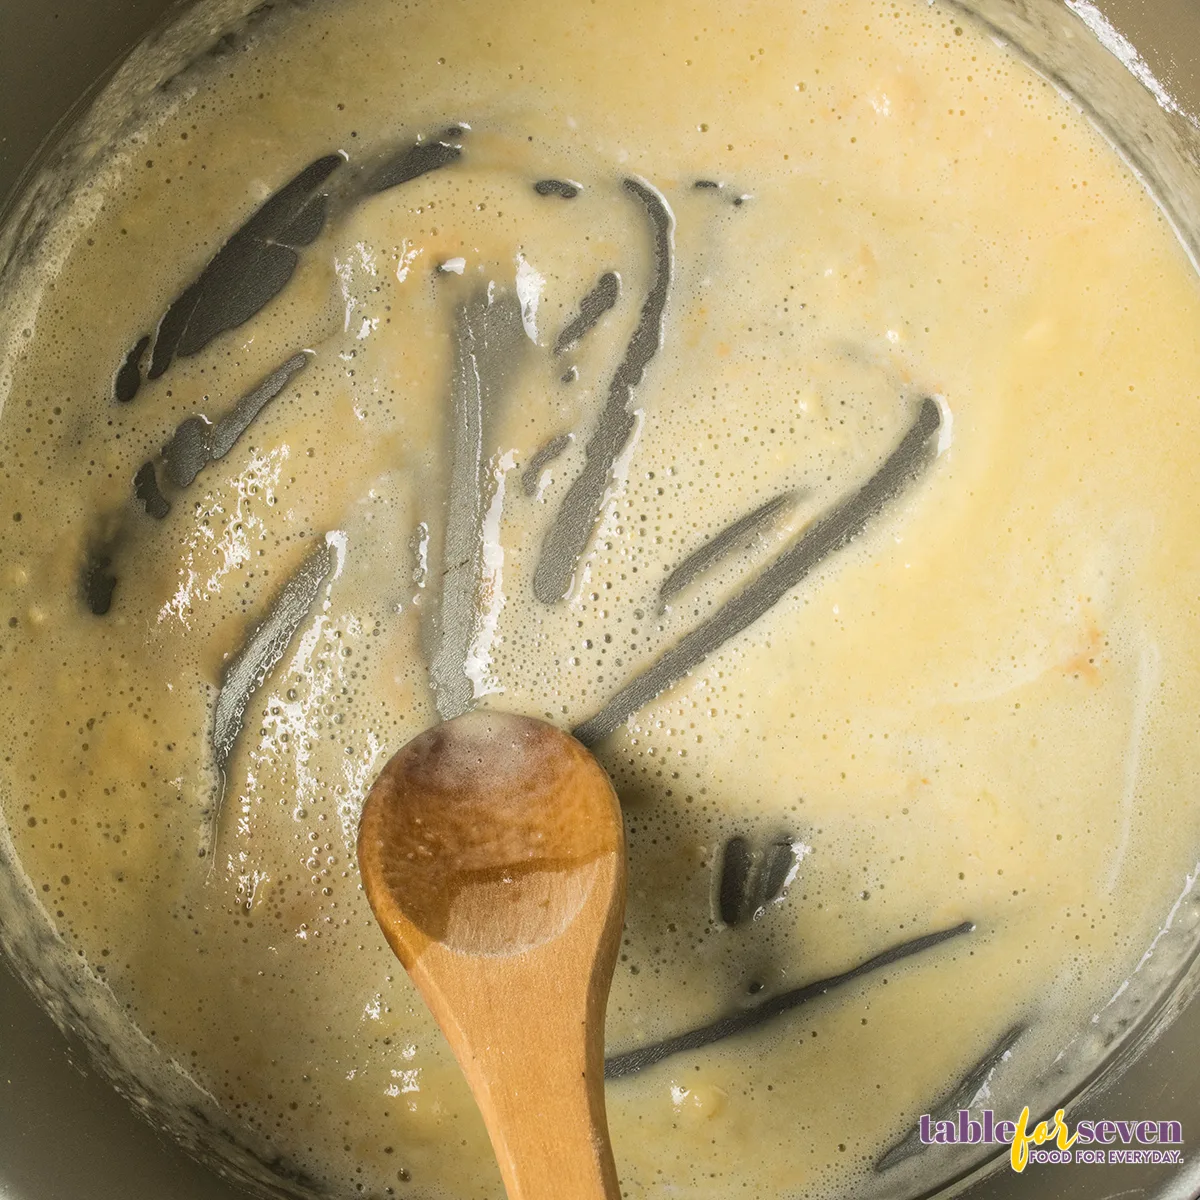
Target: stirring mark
{"points": [[743, 891], [418, 159], [568, 536], [828, 535], [733, 537], [736, 864], [146, 489], [198, 442], [777, 871], [129, 377], [738, 200], [260, 258], [532, 475], [98, 578], [565, 188], [249, 270], [591, 308], [487, 334], [249, 668], [97, 582], [632, 1061], [963, 1094]]}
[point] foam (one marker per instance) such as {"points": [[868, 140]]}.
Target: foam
{"points": [[1024, 585]]}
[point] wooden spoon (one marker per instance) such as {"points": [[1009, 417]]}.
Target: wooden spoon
{"points": [[493, 854]]}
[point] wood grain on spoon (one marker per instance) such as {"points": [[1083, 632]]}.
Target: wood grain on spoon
{"points": [[493, 855]]}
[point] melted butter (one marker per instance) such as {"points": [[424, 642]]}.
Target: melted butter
{"points": [[980, 711]]}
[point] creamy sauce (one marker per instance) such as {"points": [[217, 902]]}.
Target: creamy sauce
{"points": [[681, 282]]}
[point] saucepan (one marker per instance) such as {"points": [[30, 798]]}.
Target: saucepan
{"points": [[1134, 67]]}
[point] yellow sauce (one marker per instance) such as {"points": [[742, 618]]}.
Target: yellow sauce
{"points": [[982, 710]]}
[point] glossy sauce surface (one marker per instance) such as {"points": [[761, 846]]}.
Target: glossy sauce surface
{"points": [[820, 365]]}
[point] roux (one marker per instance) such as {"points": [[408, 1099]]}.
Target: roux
{"points": [[819, 365]]}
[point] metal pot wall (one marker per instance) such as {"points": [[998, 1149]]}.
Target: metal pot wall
{"points": [[64, 1133]]}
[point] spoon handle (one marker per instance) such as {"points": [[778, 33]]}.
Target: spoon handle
{"points": [[534, 1057], [541, 1093]]}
